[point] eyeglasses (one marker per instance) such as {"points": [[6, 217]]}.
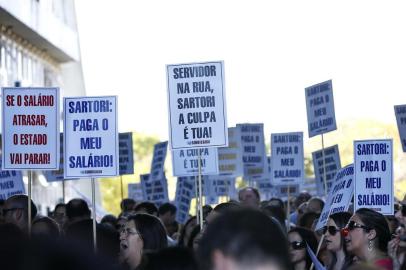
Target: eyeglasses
{"points": [[298, 245], [331, 230], [6, 210], [129, 231], [353, 225]]}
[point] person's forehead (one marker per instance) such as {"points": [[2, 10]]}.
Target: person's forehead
{"points": [[129, 224], [294, 236], [61, 209], [331, 222], [356, 218]]}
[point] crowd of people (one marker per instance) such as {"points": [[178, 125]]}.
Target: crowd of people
{"points": [[236, 235]]}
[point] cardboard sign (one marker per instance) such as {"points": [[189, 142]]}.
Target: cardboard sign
{"points": [[281, 191], [400, 112], [221, 185], [287, 158], [135, 192], [320, 108], [158, 161], [253, 149], [197, 105], [11, 183], [373, 165], [185, 189], [332, 164], [125, 153], [30, 124], [186, 161], [90, 137], [340, 195], [230, 158]]}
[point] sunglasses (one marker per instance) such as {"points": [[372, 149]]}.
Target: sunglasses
{"points": [[331, 230], [351, 226], [6, 210], [298, 245]]}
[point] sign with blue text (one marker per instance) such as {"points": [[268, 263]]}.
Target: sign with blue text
{"points": [[332, 164], [282, 191], [135, 192], [125, 153], [30, 128], [400, 112], [253, 149], [339, 196], [287, 158], [197, 105], [158, 161], [373, 166], [185, 187], [185, 162], [230, 158], [155, 191], [320, 108], [90, 137], [11, 183]]}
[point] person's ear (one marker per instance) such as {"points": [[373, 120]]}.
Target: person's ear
{"points": [[371, 234]]}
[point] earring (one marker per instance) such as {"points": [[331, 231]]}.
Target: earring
{"points": [[370, 246]]}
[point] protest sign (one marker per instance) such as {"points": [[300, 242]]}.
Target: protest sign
{"points": [[331, 163], [309, 185], [185, 162], [135, 192], [373, 166], [221, 185], [184, 193], [253, 149], [155, 191], [125, 153], [400, 112], [56, 175], [30, 124], [197, 105], [11, 183], [281, 191], [287, 158], [340, 195], [90, 137], [320, 108], [158, 161], [230, 158]]}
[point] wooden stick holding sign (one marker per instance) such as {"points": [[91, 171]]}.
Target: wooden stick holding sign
{"points": [[94, 215], [200, 192], [324, 167], [288, 209], [29, 202]]}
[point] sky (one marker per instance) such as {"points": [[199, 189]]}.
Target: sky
{"points": [[271, 50]]}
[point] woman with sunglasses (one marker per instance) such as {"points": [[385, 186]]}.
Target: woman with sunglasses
{"points": [[141, 233], [366, 236], [298, 238], [340, 259]]}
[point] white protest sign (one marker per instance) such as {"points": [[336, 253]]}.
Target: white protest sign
{"points": [[309, 185], [185, 189], [158, 161], [135, 192], [185, 162], [230, 158], [332, 164], [197, 105], [287, 158], [125, 153], [253, 149], [320, 108], [30, 128], [221, 185], [373, 165], [11, 183], [90, 137], [56, 175], [400, 112], [281, 191], [340, 195]]}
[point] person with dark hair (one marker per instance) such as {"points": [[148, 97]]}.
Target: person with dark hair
{"points": [[77, 210], [172, 258], [302, 198], [146, 208], [167, 213], [45, 226], [186, 231], [141, 233], [335, 242], [277, 212], [307, 220], [1, 210], [195, 237], [276, 202], [366, 236], [315, 205], [243, 239], [249, 196], [127, 206], [15, 211], [59, 215], [109, 220], [298, 239]]}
